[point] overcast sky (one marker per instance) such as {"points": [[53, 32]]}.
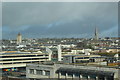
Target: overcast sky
{"points": [[59, 19]]}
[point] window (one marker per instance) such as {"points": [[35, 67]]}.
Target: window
{"points": [[63, 73], [70, 74], [86, 57], [47, 73], [39, 72], [77, 75], [31, 71]]}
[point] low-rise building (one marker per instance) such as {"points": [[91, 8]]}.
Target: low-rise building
{"points": [[82, 58], [38, 71]]}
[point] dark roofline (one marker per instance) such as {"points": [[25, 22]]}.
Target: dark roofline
{"points": [[84, 71]]}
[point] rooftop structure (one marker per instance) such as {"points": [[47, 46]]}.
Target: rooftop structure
{"points": [[54, 53]]}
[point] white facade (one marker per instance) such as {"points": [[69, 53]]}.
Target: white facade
{"points": [[20, 59], [59, 53]]}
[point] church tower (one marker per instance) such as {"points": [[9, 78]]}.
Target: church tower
{"points": [[19, 38], [96, 34]]}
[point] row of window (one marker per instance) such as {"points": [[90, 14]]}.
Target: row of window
{"points": [[23, 56], [22, 62], [40, 72], [24, 59]]}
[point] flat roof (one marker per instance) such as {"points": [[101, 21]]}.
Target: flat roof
{"points": [[17, 53], [84, 71], [81, 55]]}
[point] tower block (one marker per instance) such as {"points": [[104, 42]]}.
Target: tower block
{"points": [[19, 38]]}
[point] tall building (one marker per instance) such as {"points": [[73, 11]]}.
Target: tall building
{"points": [[96, 34], [19, 38]]}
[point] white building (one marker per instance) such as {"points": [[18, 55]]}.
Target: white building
{"points": [[20, 59]]}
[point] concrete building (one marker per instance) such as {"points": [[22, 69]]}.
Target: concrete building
{"points": [[54, 53], [38, 71], [81, 58], [19, 38], [20, 59], [113, 50]]}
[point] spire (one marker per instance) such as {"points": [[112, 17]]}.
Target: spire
{"points": [[96, 34]]}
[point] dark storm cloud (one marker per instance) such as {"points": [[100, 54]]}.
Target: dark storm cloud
{"points": [[65, 19]]}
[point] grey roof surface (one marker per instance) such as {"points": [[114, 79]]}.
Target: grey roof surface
{"points": [[83, 71]]}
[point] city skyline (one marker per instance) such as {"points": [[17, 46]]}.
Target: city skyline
{"points": [[59, 19]]}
